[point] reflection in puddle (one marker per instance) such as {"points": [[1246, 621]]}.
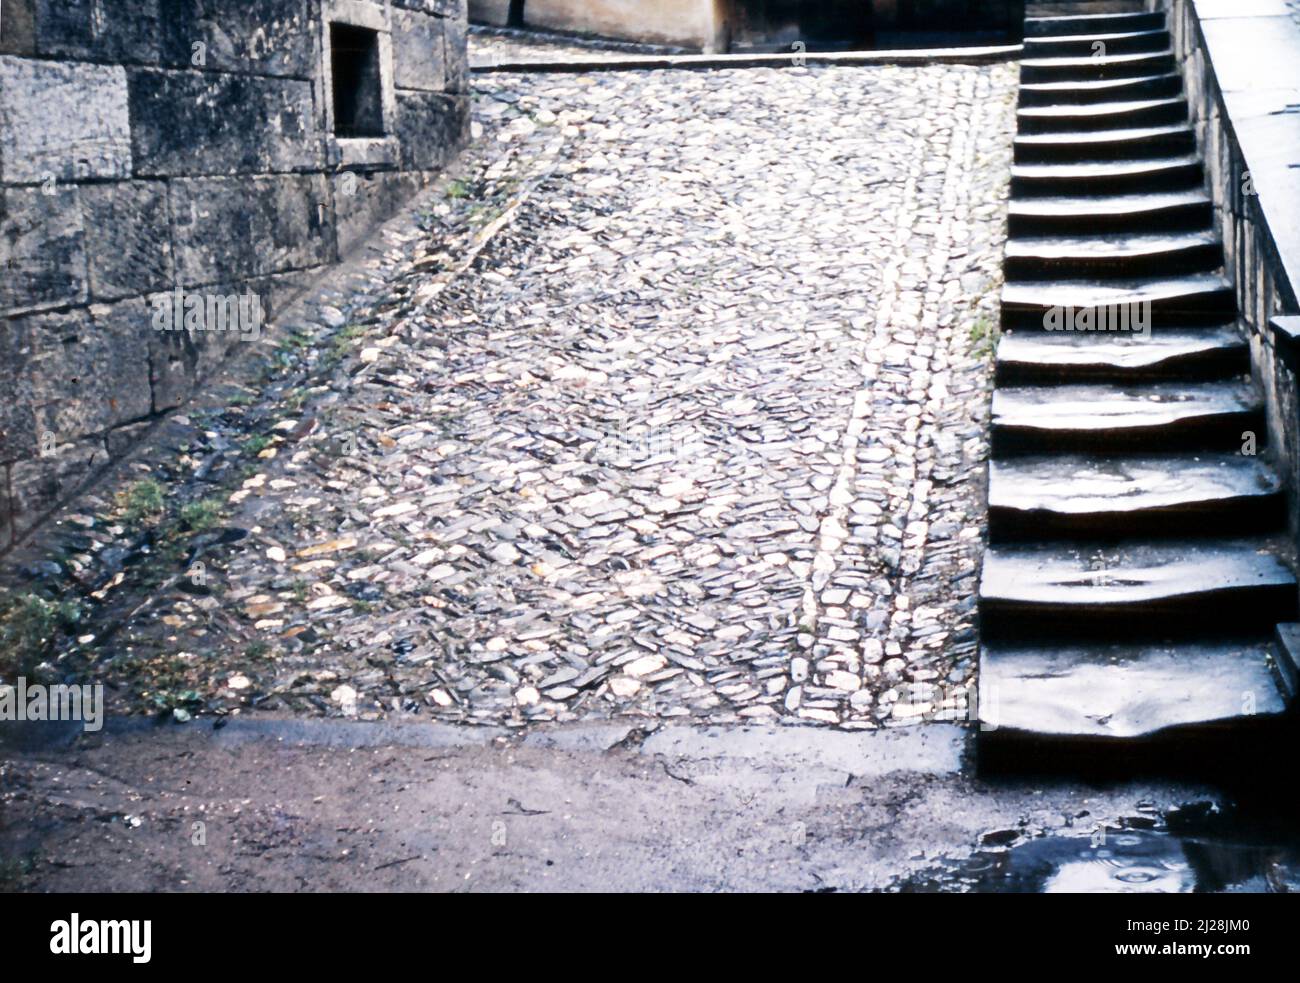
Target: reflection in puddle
{"points": [[1124, 861]]}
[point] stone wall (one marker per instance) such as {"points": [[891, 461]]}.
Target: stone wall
{"points": [[168, 164], [689, 23], [1241, 69], [715, 25]]}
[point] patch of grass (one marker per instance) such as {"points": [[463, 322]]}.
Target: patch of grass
{"points": [[456, 188], [984, 336], [347, 334], [143, 500], [201, 515], [340, 344], [295, 341], [30, 628]]}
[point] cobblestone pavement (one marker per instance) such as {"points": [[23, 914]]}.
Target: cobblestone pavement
{"points": [[699, 433]]}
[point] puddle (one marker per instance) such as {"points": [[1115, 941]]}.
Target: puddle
{"points": [[1128, 859]]}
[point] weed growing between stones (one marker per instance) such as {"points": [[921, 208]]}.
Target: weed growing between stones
{"points": [[984, 337], [201, 515], [31, 627], [140, 502]]}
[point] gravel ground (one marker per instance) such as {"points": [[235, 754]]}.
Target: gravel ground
{"points": [[699, 432]]}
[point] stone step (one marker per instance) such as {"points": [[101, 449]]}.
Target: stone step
{"points": [[1088, 69], [1163, 588], [1174, 139], [1076, 215], [1124, 177], [1087, 44], [1039, 27], [1123, 692], [1287, 641], [1170, 354], [1081, 8], [1120, 419], [1113, 255], [1072, 496], [1127, 114], [1175, 301], [1158, 86]]}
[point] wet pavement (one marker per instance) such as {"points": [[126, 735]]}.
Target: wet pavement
{"points": [[1215, 852], [311, 804]]}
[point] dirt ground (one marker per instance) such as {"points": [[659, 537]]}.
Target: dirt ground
{"points": [[329, 805]]}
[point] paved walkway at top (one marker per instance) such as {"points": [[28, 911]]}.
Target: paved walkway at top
{"points": [[699, 433]]}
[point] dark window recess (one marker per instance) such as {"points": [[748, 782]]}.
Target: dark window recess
{"points": [[354, 63], [515, 17]]}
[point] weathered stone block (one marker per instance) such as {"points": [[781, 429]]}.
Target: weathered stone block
{"points": [[493, 12], [375, 198], [262, 37], [180, 360], [192, 123], [457, 45], [6, 510], [213, 230], [418, 57], [431, 127], [235, 228], [88, 367], [44, 259], [18, 436], [18, 28], [93, 30], [66, 121], [121, 439], [443, 8], [42, 484], [292, 232], [128, 244]]}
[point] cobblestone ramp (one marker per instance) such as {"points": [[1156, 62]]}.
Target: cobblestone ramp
{"points": [[1133, 581], [698, 433]]}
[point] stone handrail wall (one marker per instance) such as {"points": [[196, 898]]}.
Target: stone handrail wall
{"points": [[157, 151], [1241, 65]]}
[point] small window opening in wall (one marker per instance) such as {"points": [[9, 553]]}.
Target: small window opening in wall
{"points": [[354, 66], [516, 17]]}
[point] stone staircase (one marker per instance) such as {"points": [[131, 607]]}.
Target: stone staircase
{"points": [[1134, 580]]}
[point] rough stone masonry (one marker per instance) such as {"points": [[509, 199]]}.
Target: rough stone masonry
{"points": [[205, 149]]}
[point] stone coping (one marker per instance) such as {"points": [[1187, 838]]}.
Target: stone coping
{"points": [[633, 63], [1286, 339], [1254, 51]]}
